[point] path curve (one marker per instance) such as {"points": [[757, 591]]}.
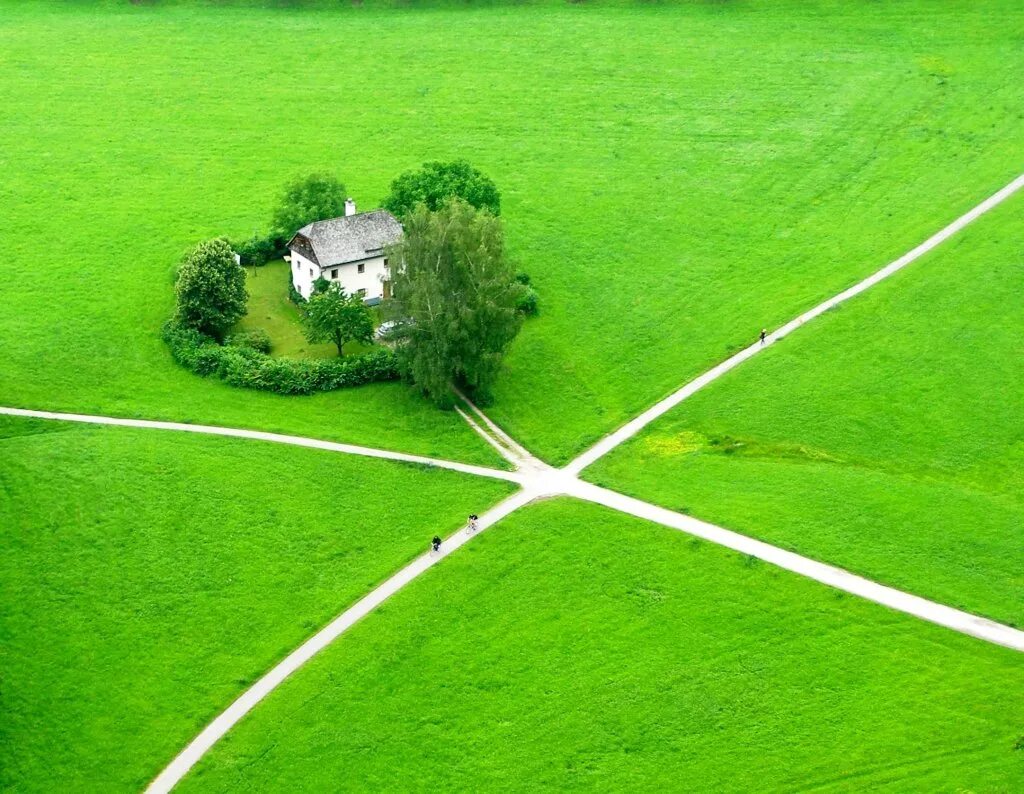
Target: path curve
{"points": [[277, 438], [631, 428]]}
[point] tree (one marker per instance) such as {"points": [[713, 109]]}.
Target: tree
{"points": [[333, 316], [436, 183], [454, 299], [211, 289], [311, 198]]}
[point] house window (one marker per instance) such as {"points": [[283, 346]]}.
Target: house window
{"points": [[311, 272], [334, 273], [361, 293], [361, 268]]}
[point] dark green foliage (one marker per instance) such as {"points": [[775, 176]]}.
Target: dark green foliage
{"points": [[435, 183], [523, 278], [251, 369], [311, 198], [333, 316], [256, 339], [258, 249], [455, 298], [210, 289], [526, 300]]}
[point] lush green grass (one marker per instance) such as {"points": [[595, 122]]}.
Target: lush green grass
{"points": [[574, 648], [146, 578], [888, 437], [674, 176], [271, 310]]}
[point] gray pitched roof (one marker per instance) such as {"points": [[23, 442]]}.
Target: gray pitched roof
{"points": [[349, 238]]}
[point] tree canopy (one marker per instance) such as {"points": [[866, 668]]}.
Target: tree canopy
{"points": [[333, 316], [436, 182], [311, 198], [210, 289], [454, 299]]}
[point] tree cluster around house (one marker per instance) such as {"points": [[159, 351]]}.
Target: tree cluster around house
{"points": [[431, 264]]}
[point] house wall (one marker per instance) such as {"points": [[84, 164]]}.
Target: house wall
{"points": [[371, 279], [304, 273]]}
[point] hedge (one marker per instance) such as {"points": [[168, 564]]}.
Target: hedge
{"points": [[251, 369]]}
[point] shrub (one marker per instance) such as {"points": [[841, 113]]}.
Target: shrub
{"points": [[257, 339], [526, 301], [523, 278], [257, 250], [253, 369]]}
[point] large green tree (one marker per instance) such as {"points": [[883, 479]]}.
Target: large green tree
{"points": [[310, 198], [436, 183], [454, 299], [210, 288], [333, 316]]}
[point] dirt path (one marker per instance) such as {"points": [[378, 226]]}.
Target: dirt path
{"points": [[277, 438]]}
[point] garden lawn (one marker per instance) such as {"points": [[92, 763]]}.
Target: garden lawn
{"points": [[674, 177], [575, 648], [271, 310], [886, 438], [146, 578]]}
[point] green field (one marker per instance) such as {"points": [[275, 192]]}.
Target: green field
{"points": [[674, 176], [887, 438], [574, 648], [671, 189], [147, 578]]}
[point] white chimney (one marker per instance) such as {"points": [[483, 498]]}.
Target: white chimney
{"points": [[350, 207]]}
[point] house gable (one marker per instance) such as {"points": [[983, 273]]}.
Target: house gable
{"points": [[302, 245]]}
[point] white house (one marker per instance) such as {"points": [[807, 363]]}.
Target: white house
{"points": [[348, 250]]}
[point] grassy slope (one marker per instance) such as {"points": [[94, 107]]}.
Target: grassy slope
{"points": [[146, 578], [674, 176], [652, 662], [887, 438]]}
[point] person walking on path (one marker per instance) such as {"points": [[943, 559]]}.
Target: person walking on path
{"points": [[472, 522], [764, 333], [435, 544]]}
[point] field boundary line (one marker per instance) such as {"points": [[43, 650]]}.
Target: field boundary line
{"points": [[634, 426], [277, 438]]}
